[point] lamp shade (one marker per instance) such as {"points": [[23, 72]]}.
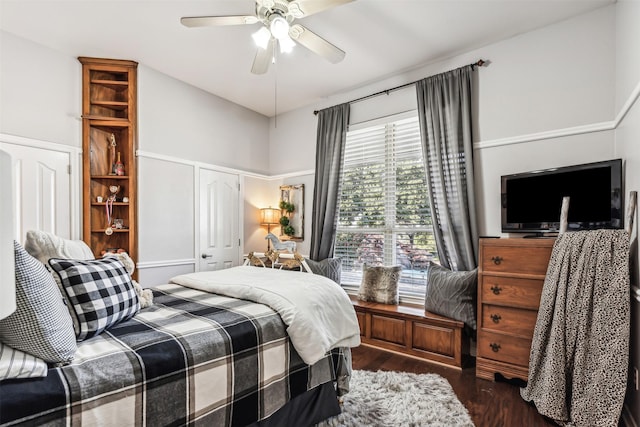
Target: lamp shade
{"points": [[7, 261], [262, 37], [269, 216], [279, 27]]}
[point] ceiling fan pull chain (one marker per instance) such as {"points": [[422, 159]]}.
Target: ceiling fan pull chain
{"points": [[275, 88]]}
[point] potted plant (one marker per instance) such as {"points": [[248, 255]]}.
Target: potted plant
{"points": [[287, 210]]}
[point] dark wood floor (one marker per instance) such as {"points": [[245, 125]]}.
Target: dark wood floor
{"points": [[489, 403]]}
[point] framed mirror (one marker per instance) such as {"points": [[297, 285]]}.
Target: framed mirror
{"points": [[292, 212]]}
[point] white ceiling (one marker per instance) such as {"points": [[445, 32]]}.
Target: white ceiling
{"points": [[381, 38]]}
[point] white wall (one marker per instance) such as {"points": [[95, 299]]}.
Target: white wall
{"points": [[41, 96], [166, 229], [179, 120], [551, 80]]}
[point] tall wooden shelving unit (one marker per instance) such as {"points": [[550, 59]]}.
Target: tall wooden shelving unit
{"points": [[109, 112]]}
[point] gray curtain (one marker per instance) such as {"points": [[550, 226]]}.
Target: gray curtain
{"points": [[332, 132], [444, 110]]}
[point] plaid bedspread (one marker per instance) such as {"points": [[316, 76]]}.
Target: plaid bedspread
{"points": [[192, 358]]}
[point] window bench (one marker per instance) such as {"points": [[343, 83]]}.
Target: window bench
{"points": [[412, 331]]}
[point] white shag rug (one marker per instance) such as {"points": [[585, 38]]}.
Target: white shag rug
{"points": [[399, 399]]}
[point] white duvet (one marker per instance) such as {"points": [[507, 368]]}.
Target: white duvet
{"points": [[317, 311]]}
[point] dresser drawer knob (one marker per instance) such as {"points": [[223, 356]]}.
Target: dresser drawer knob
{"points": [[496, 260], [496, 289], [496, 318], [495, 347]]}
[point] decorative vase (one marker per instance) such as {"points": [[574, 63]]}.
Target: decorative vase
{"points": [[119, 166]]}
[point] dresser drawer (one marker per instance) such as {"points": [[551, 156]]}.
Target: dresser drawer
{"points": [[504, 348], [513, 321], [511, 291], [516, 259]]}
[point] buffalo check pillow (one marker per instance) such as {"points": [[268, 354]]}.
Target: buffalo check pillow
{"points": [[100, 292]]}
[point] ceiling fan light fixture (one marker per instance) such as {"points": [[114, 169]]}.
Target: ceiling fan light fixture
{"points": [[286, 44], [279, 27], [262, 37]]}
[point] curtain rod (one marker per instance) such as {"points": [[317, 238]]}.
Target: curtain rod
{"points": [[480, 63]]}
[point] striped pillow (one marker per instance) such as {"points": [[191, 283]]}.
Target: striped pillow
{"points": [[452, 293], [17, 364], [100, 292], [41, 324]]}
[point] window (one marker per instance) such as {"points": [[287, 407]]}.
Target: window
{"points": [[384, 216]]}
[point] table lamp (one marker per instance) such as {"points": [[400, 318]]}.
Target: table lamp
{"points": [[269, 216]]}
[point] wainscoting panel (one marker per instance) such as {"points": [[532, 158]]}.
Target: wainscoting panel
{"points": [[152, 275]]}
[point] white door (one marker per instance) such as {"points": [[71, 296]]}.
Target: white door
{"points": [[219, 223], [43, 190]]}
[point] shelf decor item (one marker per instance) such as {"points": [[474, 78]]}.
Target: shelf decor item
{"points": [[112, 154], [119, 166]]}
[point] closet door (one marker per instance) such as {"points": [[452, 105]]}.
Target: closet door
{"points": [[42, 190], [219, 224]]}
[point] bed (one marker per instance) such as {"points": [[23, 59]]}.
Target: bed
{"points": [[200, 357]]}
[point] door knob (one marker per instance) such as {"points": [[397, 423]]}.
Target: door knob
{"points": [[205, 256]]}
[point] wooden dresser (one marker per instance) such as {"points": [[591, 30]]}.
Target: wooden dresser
{"points": [[510, 278]]}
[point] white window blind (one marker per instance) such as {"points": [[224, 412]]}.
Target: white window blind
{"points": [[384, 216]]}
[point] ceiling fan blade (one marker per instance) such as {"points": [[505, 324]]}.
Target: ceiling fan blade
{"points": [[300, 8], [207, 21], [316, 44], [263, 59]]}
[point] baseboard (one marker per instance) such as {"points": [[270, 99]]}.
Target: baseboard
{"points": [[627, 417]]}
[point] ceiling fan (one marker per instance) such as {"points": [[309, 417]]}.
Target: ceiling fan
{"points": [[278, 28]]}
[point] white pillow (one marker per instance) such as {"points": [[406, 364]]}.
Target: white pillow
{"points": [[43, 246], [18, 364]]}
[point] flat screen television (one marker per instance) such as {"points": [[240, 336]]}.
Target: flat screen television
{"points": [[531, 201]]}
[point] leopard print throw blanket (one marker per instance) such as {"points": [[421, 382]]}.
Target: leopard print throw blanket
{"points": [[580, 350]]}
